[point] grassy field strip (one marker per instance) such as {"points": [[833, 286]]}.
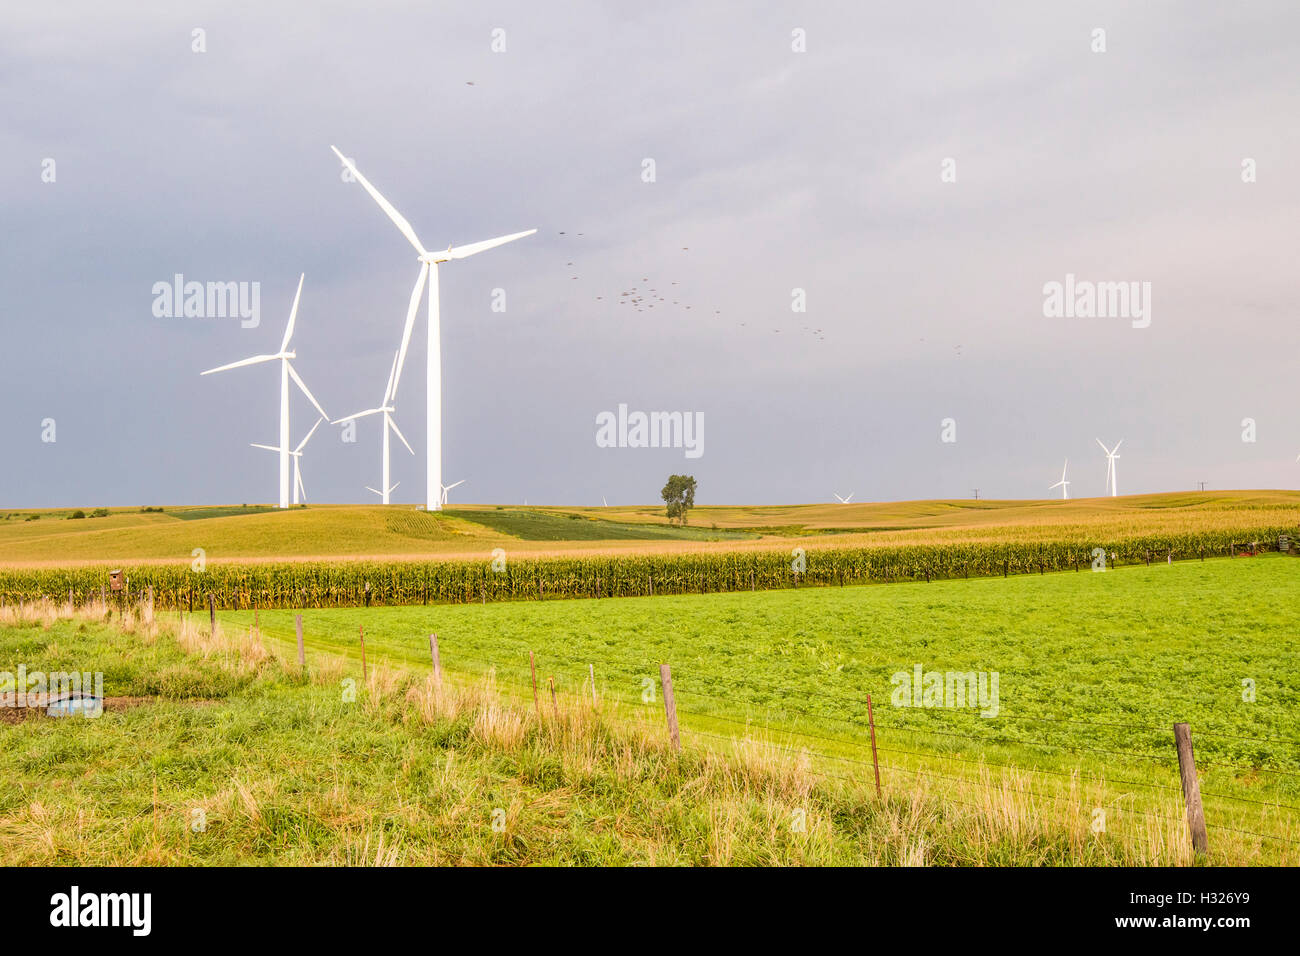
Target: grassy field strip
{"points": [[282, 769], [1114, 739], [832, 759]]}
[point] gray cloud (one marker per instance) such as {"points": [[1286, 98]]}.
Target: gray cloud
{"points": [[777, 170]]}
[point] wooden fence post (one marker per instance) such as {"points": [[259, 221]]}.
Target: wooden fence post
{"points": [[532, 666], [437, 662], [1191, 788], [670, 705], [555, 707], [361, 631], [875, 760], [302, 659], [212, 612], [591, 673]]}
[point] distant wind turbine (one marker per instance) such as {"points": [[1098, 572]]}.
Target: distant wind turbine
{"points": [[845, 501], [286, 372], [1063, 484], [447, 488], [1112, 484], [297, 461], [429, 262], [386, 409]]}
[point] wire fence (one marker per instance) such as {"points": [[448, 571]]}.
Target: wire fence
{"points": [[1077, 760], [1090, 764]]}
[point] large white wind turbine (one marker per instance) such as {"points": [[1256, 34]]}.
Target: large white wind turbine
{"points": [[1065, 485], [297, 461], [844, 501], [286, 372], [386, 409], [429, 262], [1111, 483]]}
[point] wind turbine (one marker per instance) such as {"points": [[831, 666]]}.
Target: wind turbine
{"points": [[1111, 455], [844, 501], [1065, 485], [297, 461], [447, 488], [429, 262], [286, 372], [386, 409]]}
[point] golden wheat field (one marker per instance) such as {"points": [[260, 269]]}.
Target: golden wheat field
{"points": [[51, 537]]}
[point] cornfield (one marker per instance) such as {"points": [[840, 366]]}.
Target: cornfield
{"points": [[354, 584]]}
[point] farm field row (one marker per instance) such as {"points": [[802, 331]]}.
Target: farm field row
{"points": [[242, 534], [1092, 671]]}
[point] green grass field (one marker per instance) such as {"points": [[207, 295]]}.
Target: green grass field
{"points": [[229, 757], [1093, 671]]}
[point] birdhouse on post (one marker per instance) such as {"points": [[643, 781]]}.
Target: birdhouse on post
{"points": [[115, 580]]}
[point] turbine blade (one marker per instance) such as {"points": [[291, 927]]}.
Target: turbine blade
{"points": [[1103, 447], [392, 372], [376, 491], [461, 252], [293, 315], [398, 220], [393, 425], [302, 444], [255, 360], [305, 390], [416, 294], [297, 477], [1116, 448], [354, 417], [461, 482], [267, 447]]}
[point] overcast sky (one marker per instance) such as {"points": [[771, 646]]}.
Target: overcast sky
{"points": [[774, 170]]}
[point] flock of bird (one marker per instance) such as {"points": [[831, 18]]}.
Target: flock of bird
{"points": [[645, 297]]}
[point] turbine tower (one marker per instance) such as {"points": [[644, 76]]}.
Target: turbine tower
{"points": [[297, 461], [1065, 485], [429, 262], [1111, 455], [286, 372], [386, 409]]}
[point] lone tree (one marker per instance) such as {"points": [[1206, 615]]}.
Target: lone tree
{"points": [[679, 496]]}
